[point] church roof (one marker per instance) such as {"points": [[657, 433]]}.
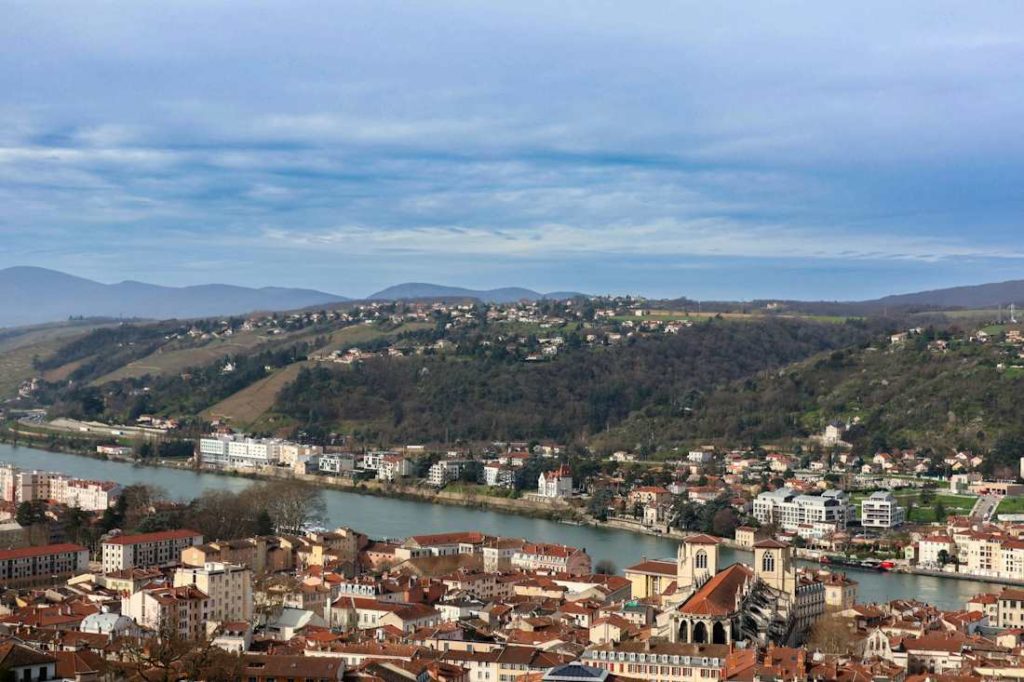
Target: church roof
{"points": [[717, 597], [701, 540], [770, 544]]}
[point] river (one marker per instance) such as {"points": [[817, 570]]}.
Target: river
{"points": [[382, 517]]}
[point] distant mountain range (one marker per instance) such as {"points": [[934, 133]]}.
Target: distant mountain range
{"points": [[30, 295], [419, 290], [978, 296]]}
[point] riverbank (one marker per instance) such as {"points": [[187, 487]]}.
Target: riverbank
{"points": [[554, 510]]}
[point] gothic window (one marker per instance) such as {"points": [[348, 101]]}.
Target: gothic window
{"points": [[768, 563], [701, 559]]}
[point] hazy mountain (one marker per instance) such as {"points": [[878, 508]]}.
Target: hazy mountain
{"points": [[978, 296], [414, 290], [31, 295]]}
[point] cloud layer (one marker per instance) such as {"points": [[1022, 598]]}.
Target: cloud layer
{"points": [[661, 147]]}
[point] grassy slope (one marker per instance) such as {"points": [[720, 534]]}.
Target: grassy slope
{"points": [[18, 347], [172, 361], [253, 402]]}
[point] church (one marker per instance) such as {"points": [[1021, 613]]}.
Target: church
{"points": [[766, 602]]}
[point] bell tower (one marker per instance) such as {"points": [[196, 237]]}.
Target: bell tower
{"points": [[696, 561], [773, 563]]}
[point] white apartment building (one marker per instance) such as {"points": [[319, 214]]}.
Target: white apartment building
{"points": [[147, 549], [86, 495], [228, 587], [394, 467], [881, 511], [238, 452], [444, 471], [498, 475], [700, 456], [337, 464], [804, 514]]}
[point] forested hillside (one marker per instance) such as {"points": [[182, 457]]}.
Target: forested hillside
{"points": [[580, 393], [966, 396]]}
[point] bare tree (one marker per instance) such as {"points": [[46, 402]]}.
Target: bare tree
{"points": [[293, 505], [831, 634], [167, 657]]}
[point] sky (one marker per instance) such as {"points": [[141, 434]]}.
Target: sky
{"points": [[704, 149]]}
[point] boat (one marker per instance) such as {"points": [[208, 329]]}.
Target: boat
{"points": [[823, 559], [871, 563], [887, 565]]}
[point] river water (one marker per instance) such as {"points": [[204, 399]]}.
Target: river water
{"points": [[382, 517]]}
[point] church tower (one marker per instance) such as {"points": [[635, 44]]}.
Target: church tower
{"points": [[696, 562], [773, 563]]}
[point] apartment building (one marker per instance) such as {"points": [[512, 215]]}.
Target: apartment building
{"points": [[86, 495], [663, 661], [182, 609], [807, 515], [148, 549], [549, 558], [228, 588], [34, 566], [881, 511], [394, 467], [445, 471]]}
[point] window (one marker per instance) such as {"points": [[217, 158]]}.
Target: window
{"points": [[701, 559]]}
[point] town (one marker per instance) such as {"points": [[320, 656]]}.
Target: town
{"points": [[90, 599]]}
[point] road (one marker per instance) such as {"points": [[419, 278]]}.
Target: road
{"points": [[985, 507]]}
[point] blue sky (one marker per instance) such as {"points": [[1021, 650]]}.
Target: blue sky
{"points": [[715, 150]]}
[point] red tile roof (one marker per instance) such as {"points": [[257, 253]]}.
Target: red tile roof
{"points": [[25, 552], [717, 597], [159, 536]]}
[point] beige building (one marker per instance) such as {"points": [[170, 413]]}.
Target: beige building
{"points": [[650, 578], [661, 661], [552, 559], [185, 610], [228, 587]]}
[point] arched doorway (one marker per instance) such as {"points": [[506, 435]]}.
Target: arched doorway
{"points": [[684, 632], [718, 634], [700, 633]]}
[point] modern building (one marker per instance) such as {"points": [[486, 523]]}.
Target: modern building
{"points": [[807, 515], [881, 511], [445, 471], [148, 549], [85, 495]]}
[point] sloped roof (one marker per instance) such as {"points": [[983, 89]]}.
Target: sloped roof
{"points": [[717, 597]]}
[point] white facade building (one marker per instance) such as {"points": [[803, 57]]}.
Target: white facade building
{"points": [[808, 515], [554, 484], [880, 510]]}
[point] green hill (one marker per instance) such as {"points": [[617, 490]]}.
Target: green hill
{"points": [[968, 396]]}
